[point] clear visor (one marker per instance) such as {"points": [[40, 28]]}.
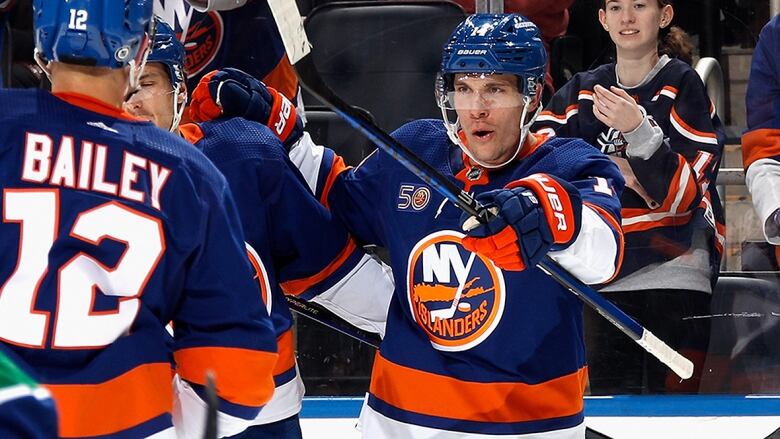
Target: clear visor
{"points": [[480, 91], [146, 93]]}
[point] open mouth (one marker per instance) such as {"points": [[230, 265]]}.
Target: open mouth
{"points": [[482, 134], [629, 32]]}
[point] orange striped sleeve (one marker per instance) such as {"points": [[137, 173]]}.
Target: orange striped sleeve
{"points": [[336, 168], [298, 286], [760, 144], [670, 203], [400, 386], [283, 78], [138, 395], [243, 376], [286, 359]]}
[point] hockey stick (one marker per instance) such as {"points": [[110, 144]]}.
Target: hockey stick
{"points": [[298, 48], [212, 403], [324, 317]]}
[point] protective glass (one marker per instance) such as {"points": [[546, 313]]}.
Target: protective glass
{"points": [[479, 91], [145, 93]]}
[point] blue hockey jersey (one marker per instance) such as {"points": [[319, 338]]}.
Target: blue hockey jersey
{"points": [[509, 357], [673, 197], [302, 249], [245, 38], [111, 229], [761, 140], [26, 409]]}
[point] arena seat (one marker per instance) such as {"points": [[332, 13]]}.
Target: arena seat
{"points": [[328, 129], [383, 56]]}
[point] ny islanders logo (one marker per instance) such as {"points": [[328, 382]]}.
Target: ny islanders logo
{"points": [[457, 297], [201, 33]]}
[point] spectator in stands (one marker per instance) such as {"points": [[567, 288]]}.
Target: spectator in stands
{"points": [[552, 18], [761, 141], [649, 110]]}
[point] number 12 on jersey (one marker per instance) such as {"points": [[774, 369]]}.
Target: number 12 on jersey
{"points": [[76, 323]]}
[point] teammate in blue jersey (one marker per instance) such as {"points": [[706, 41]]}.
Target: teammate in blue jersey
{"points": [[236, 33], [26, 409], [761, 140], [306, 252], [112, 228], [650, 112], [479, 341]]}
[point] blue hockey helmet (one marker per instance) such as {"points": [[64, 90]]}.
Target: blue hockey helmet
{"points": [[486, 44], [102, 33], [168, 50], [497, 43]]}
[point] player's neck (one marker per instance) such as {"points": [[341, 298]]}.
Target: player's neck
{"points": [[105, 85], [633, 68]]}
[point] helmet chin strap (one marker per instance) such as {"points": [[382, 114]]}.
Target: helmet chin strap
{"points": [[178, 108], [454, 128], [42, 63]]}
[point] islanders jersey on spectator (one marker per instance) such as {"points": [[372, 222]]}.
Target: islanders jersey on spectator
{"points": [[309, 253], [111, 229], [677, 194], [470, 348], [242, 35], [26, 409], [761, 141]]}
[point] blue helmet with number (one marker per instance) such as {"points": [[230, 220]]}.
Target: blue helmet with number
{"points": [[168, 50], [496, 43], [101, 33]]}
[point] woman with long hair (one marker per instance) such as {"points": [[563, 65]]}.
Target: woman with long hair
{"points": [[650, 112]]}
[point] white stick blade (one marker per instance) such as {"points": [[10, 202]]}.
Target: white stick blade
{"points": [[290, 24]]}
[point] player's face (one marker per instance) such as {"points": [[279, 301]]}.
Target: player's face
{"points": [[489, 109], [153, 100], [633, 25]]}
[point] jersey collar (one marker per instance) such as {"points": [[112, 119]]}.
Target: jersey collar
{"points": [[95, 105]]}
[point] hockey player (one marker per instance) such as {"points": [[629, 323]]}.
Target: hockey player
{"points": [[26, 409], [480, 342], [761, 141], [651, 113], [236, 33], [310, 254], [111, 229]]}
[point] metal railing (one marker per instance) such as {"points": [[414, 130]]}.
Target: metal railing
{"points": [[711, 74], [494, 6]]}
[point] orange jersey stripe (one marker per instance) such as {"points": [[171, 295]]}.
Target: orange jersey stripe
{"points": [[561, 117], [671, 220], [760, 144], [689, 128], [191, 132], [283, 78], [286, 359], [243, 376], [136, 396], [689, 194], [298, 286], [449, 397], [337, 168]]}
